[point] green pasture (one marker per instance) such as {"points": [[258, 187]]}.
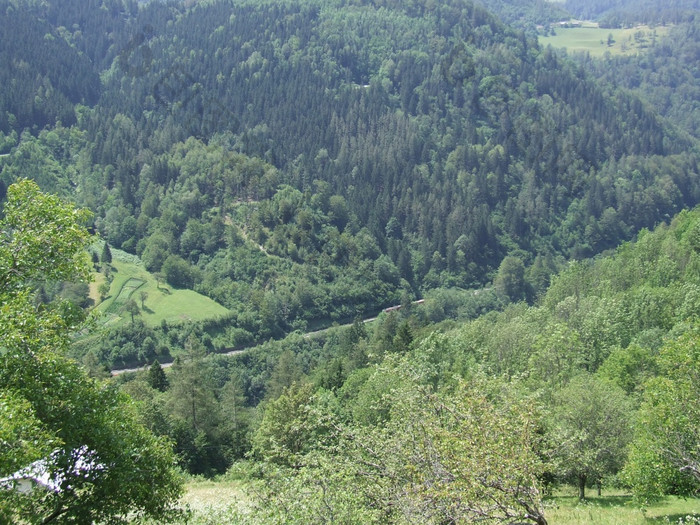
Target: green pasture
{"points": [[162, 301], [618, 508], [594, 40]]}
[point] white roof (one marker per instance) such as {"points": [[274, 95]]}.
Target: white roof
{"points": [[44, 472]]}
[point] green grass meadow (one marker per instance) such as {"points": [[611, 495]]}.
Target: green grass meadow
{"points": [[163, 302], [594, 40], [619, 509], [223, 501]]}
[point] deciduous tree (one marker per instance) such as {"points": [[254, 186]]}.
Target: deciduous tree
{"points": [[665, 454], [460, 456], [589, 430], [77, 419]]}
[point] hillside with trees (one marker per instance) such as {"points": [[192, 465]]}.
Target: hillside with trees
{"points": [[666, 77], [307, 165], [376, 420], [80, 444], [304, 164]]}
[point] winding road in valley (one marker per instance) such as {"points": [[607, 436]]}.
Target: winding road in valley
{"points": [[308, 335]]}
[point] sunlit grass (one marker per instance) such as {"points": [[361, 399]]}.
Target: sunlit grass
{"points": [[215, 502], [228, 500], [594, 40], [618, 508], [206, 494], [162, 302]]}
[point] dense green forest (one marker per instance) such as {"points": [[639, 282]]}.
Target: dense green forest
{"points": [[665, 77], [311, 163], [307, 165]]}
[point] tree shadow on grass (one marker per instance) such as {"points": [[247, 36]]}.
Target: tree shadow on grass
{"points": [[627, 501], [598, 501], [610, 501]]}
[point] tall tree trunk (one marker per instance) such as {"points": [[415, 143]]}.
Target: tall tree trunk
{"points": [[582, 487]]}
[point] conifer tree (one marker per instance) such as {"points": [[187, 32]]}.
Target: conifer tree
{"points": [[157, 378], [106, 256]]}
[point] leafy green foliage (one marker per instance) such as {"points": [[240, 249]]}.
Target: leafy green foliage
{"points": [[456, 456], [22, 435], [43, 240], [664, 454], [287, 431], [23, 441], [590, 430]]}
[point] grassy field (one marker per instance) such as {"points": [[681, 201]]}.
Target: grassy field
{"points": [[210, 500], [619, 509], [215, 502], [162, 302], [595, 40], [204, 495]]}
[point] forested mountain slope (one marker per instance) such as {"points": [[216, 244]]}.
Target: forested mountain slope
{"points": [[318, 160], [667, 76], [310, 162], [583, 388], [448, 122], [42, 75]]}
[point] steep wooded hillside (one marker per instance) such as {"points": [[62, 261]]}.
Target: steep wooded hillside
{"points": [[667, 76], [308, 161]]}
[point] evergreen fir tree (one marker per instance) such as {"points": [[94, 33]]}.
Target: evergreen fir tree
{"points": [[157, 378], [106, 256]]}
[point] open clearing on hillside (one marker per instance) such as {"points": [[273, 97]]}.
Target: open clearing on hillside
{"points": [[160, 301], [128, 288], [594, 40]]}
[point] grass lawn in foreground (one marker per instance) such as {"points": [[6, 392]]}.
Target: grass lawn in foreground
{"points": [[617, 508], [226, 500]]}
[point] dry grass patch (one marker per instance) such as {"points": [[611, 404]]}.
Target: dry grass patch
{"points": [[205, 496]]}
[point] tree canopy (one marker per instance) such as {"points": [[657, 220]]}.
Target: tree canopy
{"points": [[104, 464], [665, 454], [309, 162]]}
